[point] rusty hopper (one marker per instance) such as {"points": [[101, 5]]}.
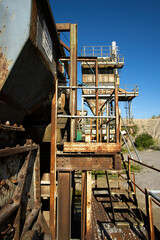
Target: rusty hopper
{"points": [[29, 49]]}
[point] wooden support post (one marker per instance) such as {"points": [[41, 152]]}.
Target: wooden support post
{"points": [[95, 179], [83, 204], [129, 167], [53, 162], [117, 115], [97, 103], [134, 187], [101, 121], [73, 78], [64, 205], [107, 124], [89, 195], [151, 235]]}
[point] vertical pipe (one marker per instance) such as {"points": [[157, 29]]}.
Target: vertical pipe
{"points": [[53, 162], [97, 104], [149, 213]]}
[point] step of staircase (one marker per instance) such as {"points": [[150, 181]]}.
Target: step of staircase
{"points": [[116, 191], [124, 205]]}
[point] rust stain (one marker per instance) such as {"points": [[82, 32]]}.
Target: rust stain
{"points": [[4, 65]]}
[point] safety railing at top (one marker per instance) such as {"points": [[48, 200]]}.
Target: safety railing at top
{"points": [[131, 88], [105, 52], [150, 195]]}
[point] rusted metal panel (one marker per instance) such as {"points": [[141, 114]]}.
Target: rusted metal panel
{"points": [[64, 205], [92, 147], [85, 162], [20, 189], [29, 49]]}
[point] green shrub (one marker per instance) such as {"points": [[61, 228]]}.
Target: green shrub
{"points": [[144, 141], [135, 130]]}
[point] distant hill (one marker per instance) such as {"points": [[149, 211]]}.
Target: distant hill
{"points": [[151, 126]]}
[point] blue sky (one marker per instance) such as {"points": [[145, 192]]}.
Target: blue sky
{"points": [[135, 26]]}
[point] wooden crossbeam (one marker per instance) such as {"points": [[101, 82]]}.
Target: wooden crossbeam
{"points": [[91, 147], [63, 27]]}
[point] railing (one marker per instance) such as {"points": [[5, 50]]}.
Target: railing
{"points": [[150, 195], [132, 88], [130, 141], [105, 52]]}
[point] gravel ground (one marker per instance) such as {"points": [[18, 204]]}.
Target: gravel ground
{"points": [[148, 178]]}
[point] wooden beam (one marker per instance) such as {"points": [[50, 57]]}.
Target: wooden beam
{"points": [[64, 205], [53, 162], [73, 79], [97, 104], [64, 45], [63, 27], [89, 206], [83, 204], [92, 147], [117, 129]]}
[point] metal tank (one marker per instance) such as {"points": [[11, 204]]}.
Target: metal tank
{"points": [[29, 49]]}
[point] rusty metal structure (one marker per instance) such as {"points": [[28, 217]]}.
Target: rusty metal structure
{"points": [[41, 157]]}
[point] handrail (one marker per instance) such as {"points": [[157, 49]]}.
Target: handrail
{"points": [[154, 196], [131, 140], [150, 195], [156, 169]]}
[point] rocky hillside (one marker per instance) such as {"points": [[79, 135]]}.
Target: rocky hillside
{"points": [[151, 126]]}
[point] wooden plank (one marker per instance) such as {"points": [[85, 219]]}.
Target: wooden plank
{"points": [[63, 27], [53, 162], [117, 116], [64, 205], [89, 212], [91, 147], [83, 204], [73, 79], [97, 104]]}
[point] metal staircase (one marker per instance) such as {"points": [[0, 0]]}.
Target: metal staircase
{"points": [[123, 201]]}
